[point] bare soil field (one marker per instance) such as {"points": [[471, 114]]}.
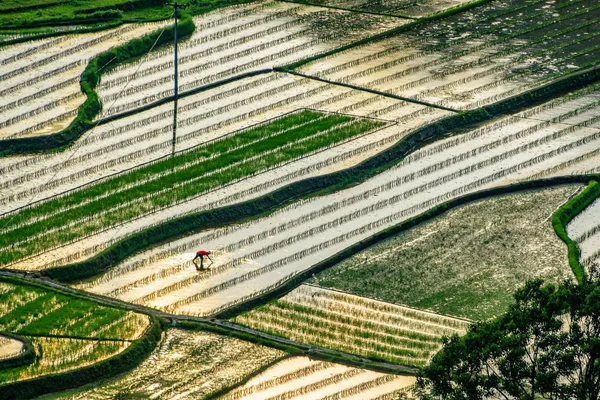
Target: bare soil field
{"points": [[467, 262]]}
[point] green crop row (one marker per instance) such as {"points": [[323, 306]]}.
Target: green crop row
{"points": [[305, 323], [59, 354], [351, 340], [124, 361], [350, 320], [151, 195], [55, 314]]}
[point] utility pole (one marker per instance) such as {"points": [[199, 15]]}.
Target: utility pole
{"points": [[176, 75]]}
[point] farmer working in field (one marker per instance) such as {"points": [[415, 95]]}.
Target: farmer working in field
{"points": [[201, 254]]}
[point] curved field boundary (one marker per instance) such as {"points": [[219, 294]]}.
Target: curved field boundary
{"points": [[26, 357], [122, 362], [315, 186], [564, 215], [89, 80]]}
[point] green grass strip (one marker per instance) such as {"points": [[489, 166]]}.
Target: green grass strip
{"points": [[564, 215]]}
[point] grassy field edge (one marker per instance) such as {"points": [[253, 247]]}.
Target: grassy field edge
{"points": [[89, 80], [564, 215]]}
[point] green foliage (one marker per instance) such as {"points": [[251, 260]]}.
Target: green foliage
{"points": [[35, 13], [545, 346], [564, 215]]}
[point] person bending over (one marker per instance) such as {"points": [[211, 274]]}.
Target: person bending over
{"points": [[200, 255]]}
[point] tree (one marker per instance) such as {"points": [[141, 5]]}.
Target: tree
{"points": [[583, 325], [546, 346]]}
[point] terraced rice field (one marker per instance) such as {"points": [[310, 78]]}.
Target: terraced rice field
{"points": [[186, 365], [106, 151], [354, 324], [237, 40], [62, 354], [585, 230], [26, 310], [466, 61], [257, 256], [302, 378], [245, 128], [66, 332], [467, 262], [39, 79], [171, 181]]}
